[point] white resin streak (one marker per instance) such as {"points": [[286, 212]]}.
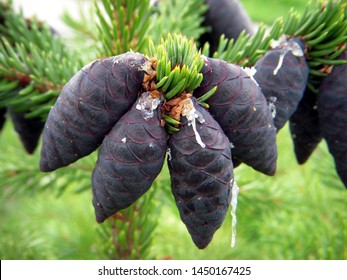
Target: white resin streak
{"points": [[272, 106], [192, 114], [287, 46], [168, 152], [197, 135], [280, 62], [234, 192]]}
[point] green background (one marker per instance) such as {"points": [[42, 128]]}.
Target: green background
{"points": [[301, 213]]}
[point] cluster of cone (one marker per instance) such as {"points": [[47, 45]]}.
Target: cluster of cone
{"points": [[324, 115], [104, 105], [312, 116], [107, 104], [318, 115]]}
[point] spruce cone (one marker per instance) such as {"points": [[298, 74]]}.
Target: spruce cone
{"points": [[283, 84], [224, 17], [88, 107], [240, 108], [29, 130], [305, 128], [201, 176], [2, 117], [130, 158], [332, 110]]}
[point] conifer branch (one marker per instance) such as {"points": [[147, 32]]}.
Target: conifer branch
{"points": [[129, 235], [82, 25], [322, 28], [132, 229], [34, 67], [177, 16], [122, 25], [34, 64], [177, 65], [246, 50]]}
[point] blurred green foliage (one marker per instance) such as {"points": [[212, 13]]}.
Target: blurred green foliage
{"points": [[267, 11], [301, 213]]}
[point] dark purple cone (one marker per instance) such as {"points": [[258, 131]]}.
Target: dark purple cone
{"points": [[88, 107], [241, 110], [332, 110], [130, 158], [2, 117], [286, 88], [29, 130], [305, 128], [200, 177], [226, 17]]}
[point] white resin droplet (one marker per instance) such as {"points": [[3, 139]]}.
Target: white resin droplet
{"points": [[124, 140], [132, 63], [192, 114], [204, 58], [234, 192], [117, 60], [147, 104], [251, 72], [272, 106], [168, 152], [295, 49], [278, 43]]}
